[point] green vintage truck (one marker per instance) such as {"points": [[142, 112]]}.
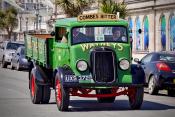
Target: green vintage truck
{"points": [[87, 56]]}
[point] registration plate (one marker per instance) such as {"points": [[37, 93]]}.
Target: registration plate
{"points": [[73, 78]]}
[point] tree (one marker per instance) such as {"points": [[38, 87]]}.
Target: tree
{"points": [[8, 20], [112, 7], [73, 8]]}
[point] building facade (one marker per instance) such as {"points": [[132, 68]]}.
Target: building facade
{"points": [[5, 4], [32, 16], [35, 15], [156, 19]]}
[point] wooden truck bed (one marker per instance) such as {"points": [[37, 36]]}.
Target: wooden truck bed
{"points": [[37, 48]]}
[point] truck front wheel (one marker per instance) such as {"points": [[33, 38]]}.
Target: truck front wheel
{"points": [[35, 90], [61, 94], [105, 99], [136, 97]]}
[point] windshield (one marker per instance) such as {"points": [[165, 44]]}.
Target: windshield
{"points": [[167, 57], [22, 51], [13, 46], [99, 34]]}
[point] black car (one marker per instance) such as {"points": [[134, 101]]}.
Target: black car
{"points": [[159, 68]]}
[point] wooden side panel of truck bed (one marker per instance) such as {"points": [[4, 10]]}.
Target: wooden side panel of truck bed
{"points": [[36, 47]]}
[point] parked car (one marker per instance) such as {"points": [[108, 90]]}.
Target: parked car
{"points": [[7, 49], [18, 60], [159, 68]]}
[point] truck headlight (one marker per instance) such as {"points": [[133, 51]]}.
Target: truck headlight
{"points": [[124, 64], [82, 65]]}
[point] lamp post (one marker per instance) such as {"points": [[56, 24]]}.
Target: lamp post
{"points": [[34, 26], [40, 20], [20, 22], [26, 24], [37, 15]]}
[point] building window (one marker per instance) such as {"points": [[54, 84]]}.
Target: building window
{"points": [[172, 33], [138, 39], [146, 33], [163, 32]]}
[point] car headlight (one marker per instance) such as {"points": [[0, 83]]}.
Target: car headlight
{"points": [[124, 64], [82, 65]]}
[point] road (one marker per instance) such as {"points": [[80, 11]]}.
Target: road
{"points": [[15, 102]]}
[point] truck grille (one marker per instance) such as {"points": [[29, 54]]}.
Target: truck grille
{"points": [[103, 65]]}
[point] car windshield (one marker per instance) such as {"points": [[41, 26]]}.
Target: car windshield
{"points": [[22, 51], [99, 34], [167, 57], [14, 46]]}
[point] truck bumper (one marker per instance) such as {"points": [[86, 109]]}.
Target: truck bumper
{"points": [[100, 85], [88, 81]]}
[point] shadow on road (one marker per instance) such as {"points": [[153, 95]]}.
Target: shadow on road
{"points": [[159, 94], [119, 105]]}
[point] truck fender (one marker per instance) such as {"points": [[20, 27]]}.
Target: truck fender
{"points": [[138, 75], [40, 76], [60, 72]]}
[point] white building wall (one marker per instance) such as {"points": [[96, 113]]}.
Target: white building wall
{"points": [[154, 11], [151, 32]]}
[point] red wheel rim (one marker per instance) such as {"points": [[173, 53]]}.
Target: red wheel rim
{"points": [[58, 92], [33, 86]]}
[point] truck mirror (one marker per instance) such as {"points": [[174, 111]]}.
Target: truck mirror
{"points": [[52, 33], [140, 31]]}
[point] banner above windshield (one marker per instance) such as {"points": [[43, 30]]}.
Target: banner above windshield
{"points": [[98, 17]]}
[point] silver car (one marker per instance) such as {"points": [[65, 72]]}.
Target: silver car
{"points": [[7, 49], [19, 61]]}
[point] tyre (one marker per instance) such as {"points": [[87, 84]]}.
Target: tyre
{"points": [[136, 98], [61, 94], [171, 92], [11, 66], [18, 66], [35, 90], [105, 99], [46, 94], [152, 89], [3, 64]]}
